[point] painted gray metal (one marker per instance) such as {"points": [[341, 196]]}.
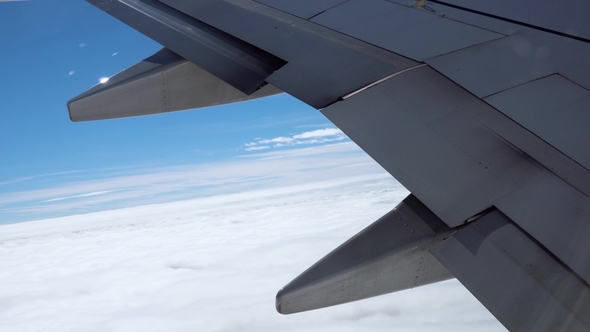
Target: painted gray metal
{"points": [[239, 64], [553, 108], [422, 35], [414, 128], [470, 18], [323, 65], [505, 63], [164, 82], [390, 255], [302, 8], [568, 17], [556, 215], [522, 139], [434, 138], [498, 65], [414, 33], [522, 284]]}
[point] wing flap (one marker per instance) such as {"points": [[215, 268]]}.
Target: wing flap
{"points": [[433, 137], [414, 126], [553, 108], [523, 285]]}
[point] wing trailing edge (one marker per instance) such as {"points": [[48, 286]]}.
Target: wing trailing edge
{"points": [[515, 277]]}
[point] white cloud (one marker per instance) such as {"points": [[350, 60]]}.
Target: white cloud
{"points": [[257, 148], [320, 133], [320, 136], [96, 193], [212, 264]]}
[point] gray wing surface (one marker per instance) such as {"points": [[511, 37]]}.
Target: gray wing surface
{"points": [[481, 109]]}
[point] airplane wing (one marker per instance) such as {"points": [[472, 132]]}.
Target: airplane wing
{"points": [[481, 109]]}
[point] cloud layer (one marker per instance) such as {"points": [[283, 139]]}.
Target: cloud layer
{"points": [[211, 264]]}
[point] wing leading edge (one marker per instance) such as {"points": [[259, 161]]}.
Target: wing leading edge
{"points": [[479, 110]]}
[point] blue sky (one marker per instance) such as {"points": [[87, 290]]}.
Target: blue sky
{"points": [[54, 50]]}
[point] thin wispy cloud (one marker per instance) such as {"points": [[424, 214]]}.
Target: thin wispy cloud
{"points": [[257, 148], [319, 136], [319, 125], [96, 193], [117, 188], [17, 180], [38, 177]]}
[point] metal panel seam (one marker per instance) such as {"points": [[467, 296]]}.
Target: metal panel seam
{"points": [[531, 26], [325, 10], [383, 80], [515, 86], [470, 46]]}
